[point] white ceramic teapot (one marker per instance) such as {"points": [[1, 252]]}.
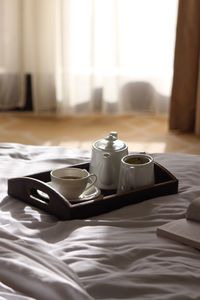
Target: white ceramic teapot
{"points": [[105, 161]]}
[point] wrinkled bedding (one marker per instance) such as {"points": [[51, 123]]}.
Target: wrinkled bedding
{"points": [[112, 256]]}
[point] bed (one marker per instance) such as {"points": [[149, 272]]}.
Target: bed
{"points": [[116, 255]]}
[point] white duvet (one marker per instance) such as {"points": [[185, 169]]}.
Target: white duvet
{"points": [[112, 256]]}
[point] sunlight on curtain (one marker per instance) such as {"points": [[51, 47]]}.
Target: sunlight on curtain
{"points": [[90, 55], [117, 55]]}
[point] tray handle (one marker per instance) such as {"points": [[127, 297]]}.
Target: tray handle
{"points": [[39, 194]]}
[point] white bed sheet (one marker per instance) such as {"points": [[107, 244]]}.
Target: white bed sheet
{"points": [[112, 256]]}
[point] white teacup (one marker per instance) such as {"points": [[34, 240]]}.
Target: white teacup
{"points": [[72, 182], [136, 170]]}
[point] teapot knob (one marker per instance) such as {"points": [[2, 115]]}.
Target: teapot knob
{"points": [[112, 136], [114, 133]]}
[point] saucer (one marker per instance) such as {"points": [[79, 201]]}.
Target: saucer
{"points": [[91, 193]]}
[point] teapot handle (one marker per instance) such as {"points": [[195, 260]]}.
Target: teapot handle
{"points": [[106, 170]]}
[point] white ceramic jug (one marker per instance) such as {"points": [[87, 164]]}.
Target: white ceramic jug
{"points": [[105, 161]]}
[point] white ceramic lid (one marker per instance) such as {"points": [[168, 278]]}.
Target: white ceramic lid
{"points": [[110, 143]]}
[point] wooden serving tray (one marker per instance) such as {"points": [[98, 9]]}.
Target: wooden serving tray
{"points": [[26, 189]]}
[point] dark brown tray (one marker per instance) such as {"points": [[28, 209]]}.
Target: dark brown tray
{"points": [[26, 189]]}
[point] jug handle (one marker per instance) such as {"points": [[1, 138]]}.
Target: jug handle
{"points": [[131, 177]]}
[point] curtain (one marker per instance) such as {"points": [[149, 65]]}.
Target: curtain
{"points": [[92, 55], [11, 51], [185, 98]]}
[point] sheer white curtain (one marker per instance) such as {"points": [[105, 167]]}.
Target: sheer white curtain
{"points": [[94, 55], [11, 62]]}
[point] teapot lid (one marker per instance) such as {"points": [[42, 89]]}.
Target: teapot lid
{"points": [[110, 143]]}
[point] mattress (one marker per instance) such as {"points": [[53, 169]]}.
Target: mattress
{"points": [[115, 256]]}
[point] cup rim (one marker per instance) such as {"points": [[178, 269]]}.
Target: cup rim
{"points": [[137, 155], [68, 179]]}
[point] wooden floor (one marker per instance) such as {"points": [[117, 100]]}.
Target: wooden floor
{"points": [[141, 132]]}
